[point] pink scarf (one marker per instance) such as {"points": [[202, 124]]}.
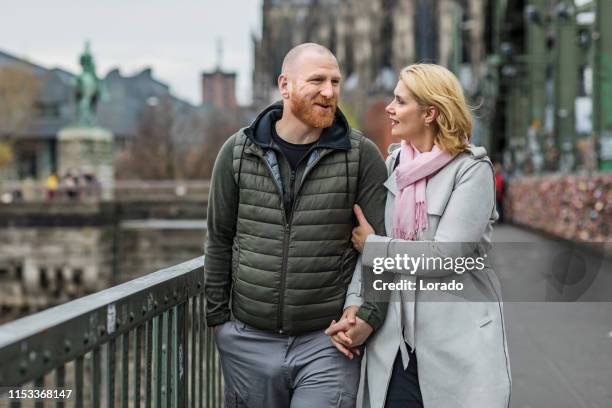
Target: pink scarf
{"points": [[410, 215]]}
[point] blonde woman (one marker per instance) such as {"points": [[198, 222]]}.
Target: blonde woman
{"points": [[439, 348]]}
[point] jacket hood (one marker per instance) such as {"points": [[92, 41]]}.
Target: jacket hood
{"points": [[337, 136]]}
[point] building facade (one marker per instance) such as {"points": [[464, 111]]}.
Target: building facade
{"points": [[124, 99], [373, 40], [219, 90]]}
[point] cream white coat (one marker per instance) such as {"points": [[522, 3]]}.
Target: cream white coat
{"points": [[460, 343]]}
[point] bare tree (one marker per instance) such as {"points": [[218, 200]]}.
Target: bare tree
{"points": [[217, 128], [151, 153], [175, 142]]}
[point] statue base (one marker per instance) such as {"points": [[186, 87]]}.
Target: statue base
{"points": [[88, 151]]}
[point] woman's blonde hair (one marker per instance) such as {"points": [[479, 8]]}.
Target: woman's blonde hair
{"points": [[434, 85]]}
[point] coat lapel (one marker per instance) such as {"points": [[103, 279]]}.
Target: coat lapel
{"points": [[391, 184]]}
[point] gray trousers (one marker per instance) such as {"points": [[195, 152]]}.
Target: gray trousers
{"points": [[270, 370]]}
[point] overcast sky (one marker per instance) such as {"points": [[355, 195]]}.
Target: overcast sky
{"points": [[176, 38]]}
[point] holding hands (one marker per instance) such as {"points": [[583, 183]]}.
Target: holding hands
{"points": [[351, 332]]}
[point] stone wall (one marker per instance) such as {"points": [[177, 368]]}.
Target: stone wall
{"points": [[145, 246], [53, 252], [42, 267]]}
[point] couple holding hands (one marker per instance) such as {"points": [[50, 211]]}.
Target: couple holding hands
{"points": [[301, 205]]}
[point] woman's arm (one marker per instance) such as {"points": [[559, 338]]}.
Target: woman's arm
{"points": [[459, 231]]}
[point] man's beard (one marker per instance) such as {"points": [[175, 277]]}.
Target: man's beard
{"points": [[306, 111]]}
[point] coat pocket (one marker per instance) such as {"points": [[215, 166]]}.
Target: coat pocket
{"points": [[346, 400], [481, 314]]}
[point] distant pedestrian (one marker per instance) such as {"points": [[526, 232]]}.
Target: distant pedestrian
{"points": [[51, 186], [500, 188], [70, 186]]}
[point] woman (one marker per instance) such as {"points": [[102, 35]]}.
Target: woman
{"points": [[436, 348]]}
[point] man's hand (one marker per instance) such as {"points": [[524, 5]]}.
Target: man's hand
{"points": [[359, 333], [336, 331], [348, 319], [361, 232], [349, 333]]}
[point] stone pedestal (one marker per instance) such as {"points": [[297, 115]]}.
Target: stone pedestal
{"points": [[87, 149]]}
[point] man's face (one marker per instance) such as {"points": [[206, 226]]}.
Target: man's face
{"points": [[314, 89]]}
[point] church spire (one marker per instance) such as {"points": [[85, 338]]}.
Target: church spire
{"points": [[219, 53]]}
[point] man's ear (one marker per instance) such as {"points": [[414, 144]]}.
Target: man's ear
{"points": [[283, 86]]}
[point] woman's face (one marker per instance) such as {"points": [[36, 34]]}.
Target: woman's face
{"points": [[407, 117]]}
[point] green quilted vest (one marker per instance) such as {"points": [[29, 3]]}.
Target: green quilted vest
{"points": [[291, 272]]}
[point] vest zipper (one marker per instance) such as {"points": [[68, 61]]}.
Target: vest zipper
{"points": [[287, 234], [306, 172], [286, 238], [287, 223], [291, 194]]}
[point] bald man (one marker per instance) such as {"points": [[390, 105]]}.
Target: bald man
{"points": [[278, 255]]}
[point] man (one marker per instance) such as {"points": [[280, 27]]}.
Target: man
{"points": [[279, 256]]}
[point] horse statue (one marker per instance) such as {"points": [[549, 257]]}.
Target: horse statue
{"points": [[87, 90]]}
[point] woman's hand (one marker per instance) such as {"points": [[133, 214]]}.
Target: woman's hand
{"points": [[361, 232], [350, 333], [336, 332]]}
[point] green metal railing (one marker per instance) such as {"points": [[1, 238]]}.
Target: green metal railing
{"points": [[143, 342]]}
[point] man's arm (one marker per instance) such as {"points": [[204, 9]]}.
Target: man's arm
{"points": [[371, 197], [221, 222]]}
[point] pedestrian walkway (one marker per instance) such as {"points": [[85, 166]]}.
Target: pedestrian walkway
{"points": [[560, 352]]}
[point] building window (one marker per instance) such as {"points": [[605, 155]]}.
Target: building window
{"points": [[47, 110]]}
